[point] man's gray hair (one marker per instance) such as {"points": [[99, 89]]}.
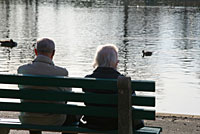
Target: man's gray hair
{"points": [[45, 45], [106, 56]]}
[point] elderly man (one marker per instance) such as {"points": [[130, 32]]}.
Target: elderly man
{"points": [[43, 65]]}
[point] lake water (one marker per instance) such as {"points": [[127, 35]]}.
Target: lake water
{"points": [[171, 33]]}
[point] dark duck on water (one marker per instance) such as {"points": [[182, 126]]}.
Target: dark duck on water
{"points": [[147, 53], [8, 43]]}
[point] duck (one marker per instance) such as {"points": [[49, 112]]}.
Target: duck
{"points": [[8, 43], [147, 53]]}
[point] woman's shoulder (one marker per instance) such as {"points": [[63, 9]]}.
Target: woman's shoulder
{"points": [[104, 73]]}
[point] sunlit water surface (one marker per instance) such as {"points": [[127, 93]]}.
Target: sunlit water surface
{"points": [[171, 33]]}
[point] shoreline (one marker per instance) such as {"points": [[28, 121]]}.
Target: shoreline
{"points": [[170, 123], [177, 115]]}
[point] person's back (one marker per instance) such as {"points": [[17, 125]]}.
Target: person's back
{"points": [[105, 63], [43, 65]]}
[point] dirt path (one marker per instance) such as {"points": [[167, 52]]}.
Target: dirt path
{"points": [[177, 124]]}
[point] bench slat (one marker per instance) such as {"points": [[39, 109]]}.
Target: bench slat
{"points": [[73, 109], [143, 114], [60, 81], [57, 108], [143, 101], [142, 85], [75, 97]]}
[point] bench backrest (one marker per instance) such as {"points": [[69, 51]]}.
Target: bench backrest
{"points": [[89, 83]]}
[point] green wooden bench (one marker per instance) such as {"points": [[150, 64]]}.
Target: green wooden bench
{"points": [[125, 101]]}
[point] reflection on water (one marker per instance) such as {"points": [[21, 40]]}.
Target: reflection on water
{"points": [[172, 33]]}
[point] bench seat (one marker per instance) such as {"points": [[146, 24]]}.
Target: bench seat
{"points": [[16, 124]]}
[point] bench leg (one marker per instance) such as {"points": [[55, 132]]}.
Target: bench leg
{"points": [[35, 132]]}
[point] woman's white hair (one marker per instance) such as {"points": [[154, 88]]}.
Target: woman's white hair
{"points": [[106, 56]]}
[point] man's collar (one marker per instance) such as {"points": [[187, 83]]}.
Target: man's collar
{"points": [[44, 59]]}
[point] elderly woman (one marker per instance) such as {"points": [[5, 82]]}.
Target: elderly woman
{"points": [[105, 64]]}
